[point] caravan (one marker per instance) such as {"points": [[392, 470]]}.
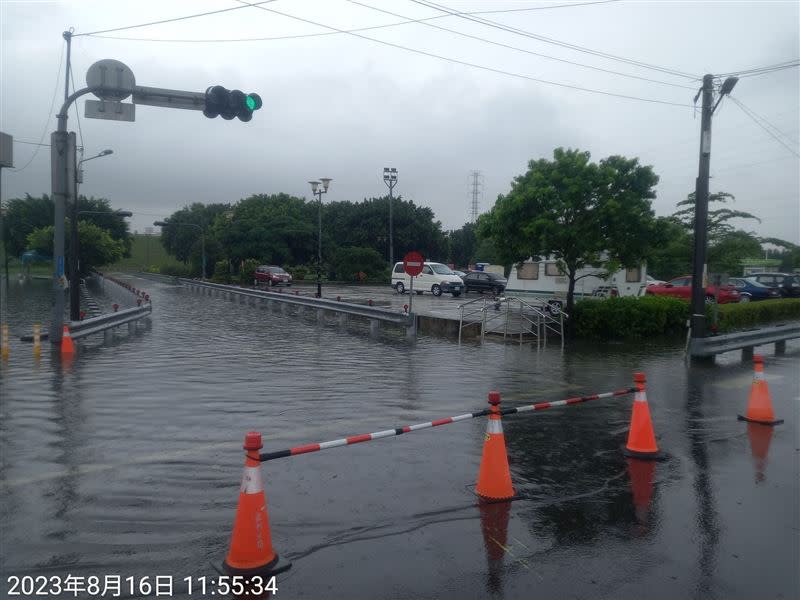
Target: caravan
{"points": [[544, 278]]}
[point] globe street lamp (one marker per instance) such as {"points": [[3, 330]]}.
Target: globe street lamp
{"points": [[317, 191], [202, 238], [74, 284], [390, 179]]}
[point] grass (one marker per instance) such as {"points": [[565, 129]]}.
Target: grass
{"points": [[146, 253]]}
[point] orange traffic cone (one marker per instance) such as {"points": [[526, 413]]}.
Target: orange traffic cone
{"points": [[759, 408], [760, 439], [66, 342], [494, 477], [641, 439], [251, 550]]}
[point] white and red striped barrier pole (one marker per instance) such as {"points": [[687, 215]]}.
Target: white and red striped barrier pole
{"points": [[368, 437]]}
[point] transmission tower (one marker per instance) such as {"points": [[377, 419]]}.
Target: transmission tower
{"points": [[477, 194]]}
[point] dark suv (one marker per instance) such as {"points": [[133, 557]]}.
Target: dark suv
{"points": [[483, 281], [788, 285]]}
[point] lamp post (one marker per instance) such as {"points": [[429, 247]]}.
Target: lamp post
{"points": [[390, 179], [317, 191], [698, 318], [202, 238], [74, 283]]}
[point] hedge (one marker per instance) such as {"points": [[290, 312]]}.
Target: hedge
{"points": [[621, 318], [632, 317], [742, 316]]}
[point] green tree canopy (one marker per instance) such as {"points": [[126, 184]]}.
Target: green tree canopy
{"points": [[96, 246], [579, 212]]}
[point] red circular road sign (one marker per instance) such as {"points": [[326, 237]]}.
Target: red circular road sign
{"points": [[412, 263]]}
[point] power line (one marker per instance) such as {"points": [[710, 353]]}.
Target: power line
{"points": [[476, 66], [205, 14], [541, 38], [49, 114], [494, 43], [324, 33], [754, 116], [787, 64], [77, 113]]}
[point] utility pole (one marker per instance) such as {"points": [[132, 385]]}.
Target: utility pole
{"points": [[477, 186], [390, 179], [698, 307]]}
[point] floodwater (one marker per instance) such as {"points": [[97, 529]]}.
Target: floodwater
{"points": [[127, 462]]}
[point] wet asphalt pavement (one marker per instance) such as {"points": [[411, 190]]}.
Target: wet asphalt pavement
{"points": [[128, 460]]}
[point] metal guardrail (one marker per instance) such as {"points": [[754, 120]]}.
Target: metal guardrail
{"points": [[535, 319], [374, 314], [108, 321], [711, 346]]}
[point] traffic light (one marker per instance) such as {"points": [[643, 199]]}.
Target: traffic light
{"points": [[230, 104]]}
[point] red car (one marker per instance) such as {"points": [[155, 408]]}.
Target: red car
{"points": [[272, 276], [681, 287]]}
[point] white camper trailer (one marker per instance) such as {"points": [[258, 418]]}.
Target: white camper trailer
{"points": [[544, 278]]}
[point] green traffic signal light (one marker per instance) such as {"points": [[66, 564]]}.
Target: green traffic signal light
{"points": [[251, 102]]}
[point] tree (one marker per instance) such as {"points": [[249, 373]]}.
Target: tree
{"points": [[718, 218], [580, 213], [729, 249], [182, 241], [670, 254], [462, 243], [350, 262], [116, 226], [96, 246], [21, 216]]}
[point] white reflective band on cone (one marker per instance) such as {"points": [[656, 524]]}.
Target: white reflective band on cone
{"points": [[494, 426], [758, 376], [640, 397], [251, 481]]}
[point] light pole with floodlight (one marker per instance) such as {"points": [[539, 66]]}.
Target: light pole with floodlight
{"points": [[317, 191]]}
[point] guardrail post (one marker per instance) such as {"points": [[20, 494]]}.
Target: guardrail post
{"points": [[131, 327], [374, 328], [343, 320], [747, 353], [411, 330], [780, 347], [320, 316], [108, 336]]}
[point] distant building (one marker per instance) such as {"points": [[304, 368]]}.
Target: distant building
{"points": [[759, 265]]}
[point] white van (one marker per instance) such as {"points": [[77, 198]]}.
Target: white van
{"points": [[435, 278]]}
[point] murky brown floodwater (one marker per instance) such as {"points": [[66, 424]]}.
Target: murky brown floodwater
{"points": [[128, 462]]}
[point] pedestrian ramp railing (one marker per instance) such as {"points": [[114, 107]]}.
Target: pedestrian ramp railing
{"points": [[530, 320]]}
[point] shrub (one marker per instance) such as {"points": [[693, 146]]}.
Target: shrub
{"points": [[620, 318], [358, 264], [222, 271], [247, 272], [300, 272], [732, 317]]}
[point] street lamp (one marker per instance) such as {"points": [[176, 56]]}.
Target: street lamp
{"points": [[326, 182], [74, 291], [202, 238], [390, 179]]}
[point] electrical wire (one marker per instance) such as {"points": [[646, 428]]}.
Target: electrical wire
{"points": [[476, 66], [494, 43], [325, 33], [77, 113], [787, 64], [205, 14], [758, 120], [541, 38], [49, 113]]}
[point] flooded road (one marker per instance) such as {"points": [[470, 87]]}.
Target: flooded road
{"points": [[128, 462]]}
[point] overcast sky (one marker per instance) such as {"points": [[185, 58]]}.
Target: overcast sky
{"points": [[344, 107]]}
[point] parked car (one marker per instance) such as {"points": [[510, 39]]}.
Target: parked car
{"points": [[681, 287], [271, 275], [435, 278], [788, 285], [482, 281], [653, 281], [459, 273], [751, 290]]}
